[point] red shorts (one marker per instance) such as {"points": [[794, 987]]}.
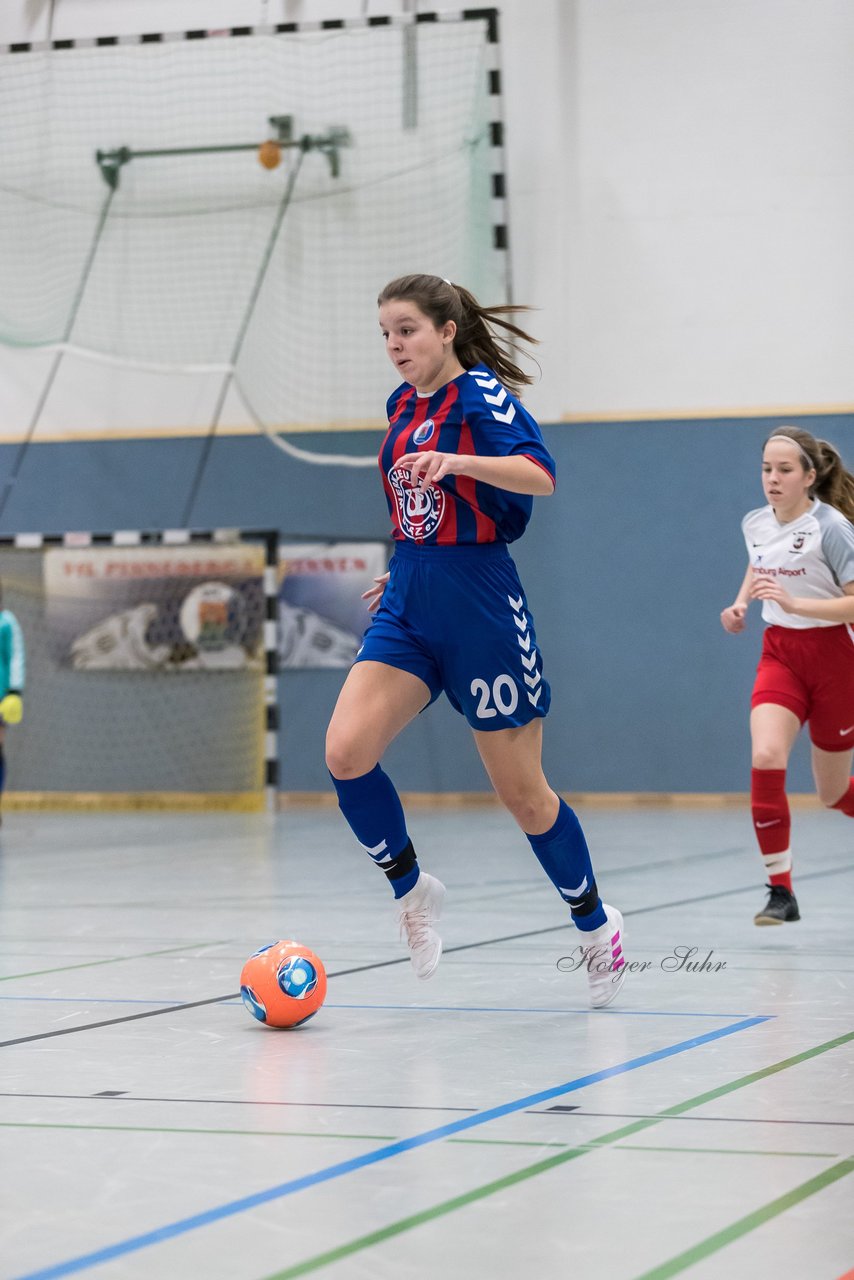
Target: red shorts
{"points": [[811, 672]]}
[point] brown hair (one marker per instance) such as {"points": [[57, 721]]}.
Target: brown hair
{"points": [[833, 483], [475, 342]]}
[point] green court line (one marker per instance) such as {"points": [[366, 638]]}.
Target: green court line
{"points": [[744, 1225], [726, 1151], [387, 1137], [426, 1215], [637, 1146], [91, 964], [543, 1166], [145, 1128]]}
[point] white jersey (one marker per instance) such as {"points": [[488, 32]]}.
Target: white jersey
{"points": [[812, 556]]}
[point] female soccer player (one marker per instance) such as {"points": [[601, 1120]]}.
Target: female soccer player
{"points": [[801, 566], [460, 462]]}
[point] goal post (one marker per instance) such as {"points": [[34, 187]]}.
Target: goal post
{"points": [[151, 659]]}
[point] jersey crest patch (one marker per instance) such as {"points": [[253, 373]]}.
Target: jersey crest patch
{"points": [[424, 432], [420, 510]]}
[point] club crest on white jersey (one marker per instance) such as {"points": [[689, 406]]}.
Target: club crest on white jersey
{"points": [[420, 510]]}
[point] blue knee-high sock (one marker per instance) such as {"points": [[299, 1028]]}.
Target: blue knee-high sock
{"points": [[563, 854], [372, 807]]}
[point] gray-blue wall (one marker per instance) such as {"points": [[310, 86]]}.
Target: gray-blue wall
{"points": [[626, 569]]}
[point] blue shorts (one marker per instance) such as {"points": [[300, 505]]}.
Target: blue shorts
{"points": [[457, 618]]}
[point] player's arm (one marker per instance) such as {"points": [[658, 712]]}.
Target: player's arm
{"points": [[839, 610], [732, 618], [17, 658], [12, 706], [514, 472]]}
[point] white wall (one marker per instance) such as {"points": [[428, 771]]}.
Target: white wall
{"points": [[681, 190]]}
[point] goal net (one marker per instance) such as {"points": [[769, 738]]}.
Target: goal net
{"points": [[140, 233], [151, 663]]}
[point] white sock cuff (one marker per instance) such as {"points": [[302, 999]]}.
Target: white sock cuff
{"points": [[777, 863]]}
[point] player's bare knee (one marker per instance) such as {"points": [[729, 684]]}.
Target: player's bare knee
{"points": [[768, 758], [527, 810], [344, 756]]}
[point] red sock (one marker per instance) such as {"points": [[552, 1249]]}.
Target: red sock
{"points": [[846, 803], [772, 823]]}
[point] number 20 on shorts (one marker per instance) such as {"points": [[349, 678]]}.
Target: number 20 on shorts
{"points": [[503, 693]]}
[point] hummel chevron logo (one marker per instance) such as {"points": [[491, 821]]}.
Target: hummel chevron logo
{"points": [[525, 645], [481, 379], [376, 851], [575, 893], [487, 384]]}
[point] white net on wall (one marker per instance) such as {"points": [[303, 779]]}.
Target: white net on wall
{"points": [[176, 270]]}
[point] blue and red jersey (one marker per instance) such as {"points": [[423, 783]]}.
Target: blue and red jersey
{"points": [[473, 414]]}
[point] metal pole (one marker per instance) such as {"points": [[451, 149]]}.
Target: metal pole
{"points": [[241, 334], [57, 359], [409, 73]]}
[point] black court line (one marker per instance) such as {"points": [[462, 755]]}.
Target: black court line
{"points": [[498, 888], [386, 964], [114, 1096]]}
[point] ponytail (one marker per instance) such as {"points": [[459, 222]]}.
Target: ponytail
{"points": [[475, 341]]}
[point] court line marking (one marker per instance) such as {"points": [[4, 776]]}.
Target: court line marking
{"points": [[240, 1133], [233, 1207], [711, 1244], [385, 964], [630, 1115], [543, 1166], [92, 964], [235, 1102], [612, 1012], [82, 1000], [390, 1137], [412, 1008]]}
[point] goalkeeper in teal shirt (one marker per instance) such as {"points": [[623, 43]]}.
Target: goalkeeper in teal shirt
{"points": [[12, 670]]}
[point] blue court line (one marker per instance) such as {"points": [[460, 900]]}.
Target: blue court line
{"points": [[462, 1008], [233, 1207], [407, 1008]]}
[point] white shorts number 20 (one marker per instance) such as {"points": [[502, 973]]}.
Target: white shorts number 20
{"points": [[504, 694]]}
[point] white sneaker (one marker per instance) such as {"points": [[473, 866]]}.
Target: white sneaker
{"points": [[418, 912], [604, 960]]}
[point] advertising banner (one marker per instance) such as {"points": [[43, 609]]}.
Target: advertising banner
{"points": [[183, 608], [322, 616]]}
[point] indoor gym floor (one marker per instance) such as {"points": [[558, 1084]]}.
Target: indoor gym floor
{"points": [[484, 1124]]}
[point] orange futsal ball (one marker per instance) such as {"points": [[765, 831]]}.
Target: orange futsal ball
{"points": [[270, 154], [283, 984]]}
